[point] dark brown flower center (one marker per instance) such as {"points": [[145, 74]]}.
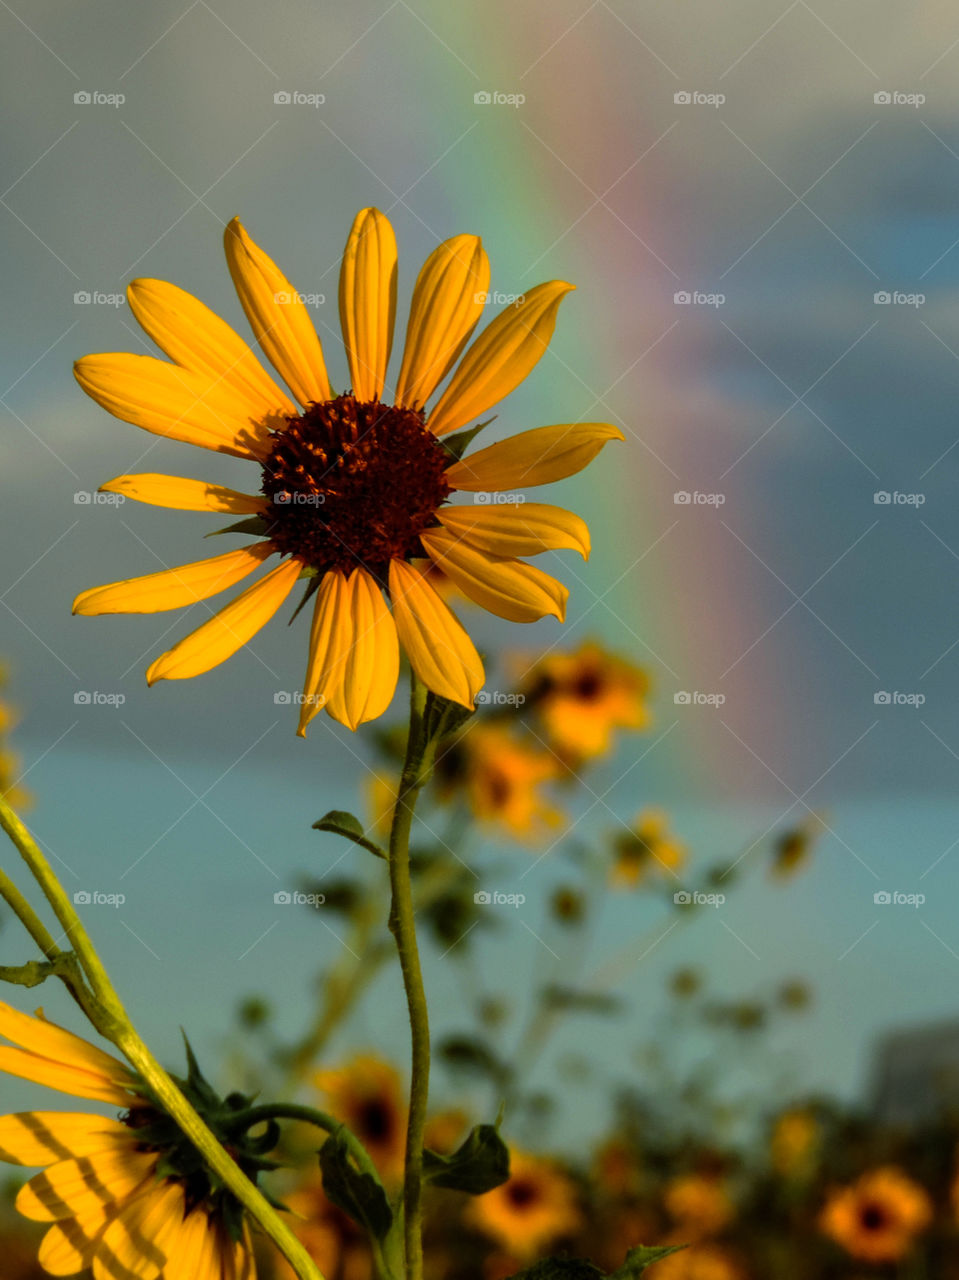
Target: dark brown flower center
{"points": [[873, 1216], [522, 1193], [353, 483]]}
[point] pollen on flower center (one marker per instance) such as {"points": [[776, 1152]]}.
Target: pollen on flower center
{"points": [[353, 482]]}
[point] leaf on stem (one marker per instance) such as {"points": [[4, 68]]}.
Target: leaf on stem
{"points": [[480, 1164], [348, 826], [359, 1194]]}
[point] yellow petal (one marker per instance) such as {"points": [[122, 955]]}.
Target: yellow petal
{"points": [[229, 630], [508, 588], [196, 338], [194, 1252], [371, 661], [277, 316], [39, 1036], [500, 358], [68, 1246], [439, 650], [42, 1137], [327, 639], [517, 528], [448, 299], [81, 1187], [135, 1244], [174, 588], [181, 494], [368, 301], [55, 1075], [174, 403], [533, 457]]}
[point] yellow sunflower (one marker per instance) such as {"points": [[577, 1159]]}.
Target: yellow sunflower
{"points": [[647, 847], [126, 1197], [366, 1094], [699, 1203], [877, 1218], [353, 490], [534, 1207], [580, 698]]}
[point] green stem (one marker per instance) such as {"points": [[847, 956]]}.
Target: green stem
{"points": [[111, 1019], [419, 754], [244, 1120]]}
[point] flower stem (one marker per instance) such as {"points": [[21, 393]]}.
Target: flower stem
{"points": [[416, 768], [107, 1013]]}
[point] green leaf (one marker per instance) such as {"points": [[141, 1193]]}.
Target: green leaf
{"points": [[643, 1256], [468, 1054], [255, 525], [480, 1164], [346, 825], [459, 441], [359, 1194]]}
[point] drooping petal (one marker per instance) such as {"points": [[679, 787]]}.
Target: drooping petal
{"points": [[194, 1253], [229, 630], [517, 528], [196, 338], [509, 588], [55, 1074], [327, 640], [42, 1137], [372, 661], [500, 358], [182, 494], [78, 1188], [134, 1246], [448, 300], [174, 588], [439, 650], [175, 403], [277, 316], [368, 301], [69, 1245], [533, 457], [37, 1035]]}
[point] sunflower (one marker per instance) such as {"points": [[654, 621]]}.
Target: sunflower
{"points": [[534, 1207], [501, 778], [366, 1094], [127, 1197], [793, 1142], [877, 1218], [581, 697], [699, 1262], [353, 489], [698, 1203], [646, 847]]}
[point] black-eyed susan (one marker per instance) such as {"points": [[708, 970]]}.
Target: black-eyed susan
{"points": [[353, 489], [366, 1094], [877, 1218], [645, 849], [580, 698], [501, 776], [128, 1197], [535, 1207]]}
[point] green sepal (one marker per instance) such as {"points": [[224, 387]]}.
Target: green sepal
{"points": [[480, 1164], [254, 525], [358, 1193], [198, 1087], [311, 587], [344, 824], [442, 717], [457, 444]]}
